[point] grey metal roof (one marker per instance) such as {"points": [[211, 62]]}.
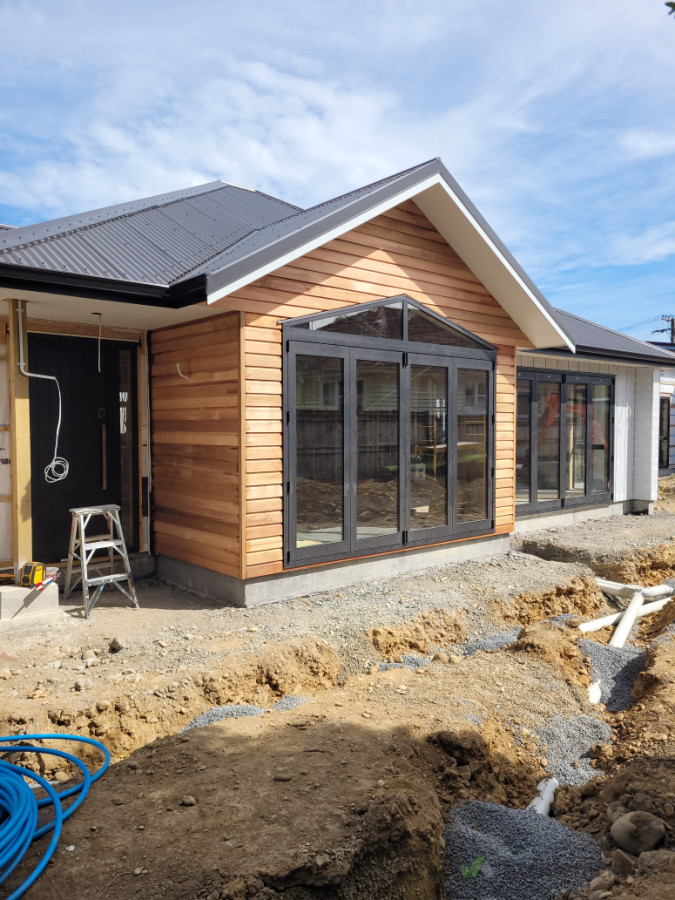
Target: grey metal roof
{"points": [[153, 241], [6, 227], [594, 339]]}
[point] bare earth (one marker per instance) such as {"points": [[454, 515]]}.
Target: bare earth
{"points": [[346, 795]]}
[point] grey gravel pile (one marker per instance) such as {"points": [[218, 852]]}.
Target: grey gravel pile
{"points": [[494, 641], [616, 668], [216, 713], [290, 701], [567, 741], [527, 856], [410, 661]]}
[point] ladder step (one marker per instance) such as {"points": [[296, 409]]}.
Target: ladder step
{"points": [[108, 579], [103, 545]]}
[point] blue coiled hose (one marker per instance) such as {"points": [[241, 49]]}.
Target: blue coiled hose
{"points": [[19, 807]]}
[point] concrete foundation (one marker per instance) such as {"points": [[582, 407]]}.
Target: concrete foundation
{"points": [[21, 607], [300, 583], [564, 517]]}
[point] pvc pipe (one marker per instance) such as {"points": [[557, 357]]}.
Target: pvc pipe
{"points": [[616, 589], [542, 803], [605, 621], [622, 630], [661, 590]]}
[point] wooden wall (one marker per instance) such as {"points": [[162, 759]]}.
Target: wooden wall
{"points": [[195, 442], [398, 252]]}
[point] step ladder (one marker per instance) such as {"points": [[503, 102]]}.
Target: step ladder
{"points": [[82, 561]]}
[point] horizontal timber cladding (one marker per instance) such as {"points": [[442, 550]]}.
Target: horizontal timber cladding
{"points": [[399, 252], [196, 427]]}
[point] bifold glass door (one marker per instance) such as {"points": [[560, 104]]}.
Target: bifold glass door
{"points": [[384, 450]]}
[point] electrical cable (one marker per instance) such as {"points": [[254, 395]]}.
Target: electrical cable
{"points": [[19, 806], [58, 468]]}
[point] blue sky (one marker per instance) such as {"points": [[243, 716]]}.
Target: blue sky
{"points": [[557, 119]]}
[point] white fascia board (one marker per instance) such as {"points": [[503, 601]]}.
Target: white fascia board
{"points": [[465, 235]]}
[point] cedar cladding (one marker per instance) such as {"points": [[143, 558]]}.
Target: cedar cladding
{"points": [[196, 493]]}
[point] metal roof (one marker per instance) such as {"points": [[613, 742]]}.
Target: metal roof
{"points": [[594, 339], [6, 227], [152, 241]]}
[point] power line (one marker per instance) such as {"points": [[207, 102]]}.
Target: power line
{"points": [[639, 324]]}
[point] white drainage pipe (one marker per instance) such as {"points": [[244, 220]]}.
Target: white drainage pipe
{"points": [[627, 620], [606, 621], [542, 803]]}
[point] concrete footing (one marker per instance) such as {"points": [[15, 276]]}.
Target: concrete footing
{"points": [[563, 517], [299, 583], [21, 607]]}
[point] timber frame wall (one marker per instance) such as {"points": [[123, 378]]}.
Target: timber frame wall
{"points": [[218, 499]]}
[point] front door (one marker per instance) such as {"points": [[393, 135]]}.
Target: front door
{"points": [[97, 435]]}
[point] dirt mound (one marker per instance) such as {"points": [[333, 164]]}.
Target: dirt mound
{"points": [[438, 627], [556, 645], [126, 722], [578, 596], [648, 567], [655, 624]]}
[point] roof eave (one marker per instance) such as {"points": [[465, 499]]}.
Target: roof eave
{"points": [[606, 355]]}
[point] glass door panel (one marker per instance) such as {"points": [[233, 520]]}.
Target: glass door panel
{"points": [[428, 446], [471, 399], [523, 441], [600, 429], [377, 448], [576, 407], [320, 508], [548, 440]]}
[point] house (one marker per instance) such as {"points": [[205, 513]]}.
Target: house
{"points": [[286, 400], [666, 452]]}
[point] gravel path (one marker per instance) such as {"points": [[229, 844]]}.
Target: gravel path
{"points": [[527, 856]]}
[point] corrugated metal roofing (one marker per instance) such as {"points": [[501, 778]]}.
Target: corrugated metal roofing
{"points": [[153, 241], [589, 337]]}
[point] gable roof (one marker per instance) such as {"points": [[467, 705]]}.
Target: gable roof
{"points": [[205, 242], [596, 340]]}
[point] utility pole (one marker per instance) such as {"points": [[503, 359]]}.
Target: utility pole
{"points": [[671, 328]]}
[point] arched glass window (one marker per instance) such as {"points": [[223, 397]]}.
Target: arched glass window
{"points": [[389, 435]]}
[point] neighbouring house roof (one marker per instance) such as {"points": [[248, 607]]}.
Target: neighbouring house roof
{"points": [[6, 227], [205, 242], [596, 340]]}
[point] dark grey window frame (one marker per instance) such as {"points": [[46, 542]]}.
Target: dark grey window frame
{"points": [[299, 340], [589, 498]]}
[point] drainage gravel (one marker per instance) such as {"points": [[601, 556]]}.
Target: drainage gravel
{"points": [[494, 641], [567, 742], [526, 856], [410, 661], [216, 713], [290, 701], [615, 668]]}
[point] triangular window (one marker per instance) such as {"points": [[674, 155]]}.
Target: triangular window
{"points": [[426, 329]]}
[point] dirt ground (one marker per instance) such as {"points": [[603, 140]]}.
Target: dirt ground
{"points": [[345, 795]]}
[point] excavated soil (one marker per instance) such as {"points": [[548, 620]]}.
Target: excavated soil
{"points": [[345, 794]]}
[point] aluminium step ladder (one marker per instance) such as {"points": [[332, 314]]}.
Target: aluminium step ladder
{"points": [[83, 549]]}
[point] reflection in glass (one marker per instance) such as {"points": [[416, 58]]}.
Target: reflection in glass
{"points": [[523, 435], [548, 440], [575, 412], [377, 448], [377, 321], [429, 330], [428, 446], [472, 456], [600, 439], [320, 450]]}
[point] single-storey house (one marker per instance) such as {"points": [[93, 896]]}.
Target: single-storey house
{"points": [[666, 410], [284, 400]]}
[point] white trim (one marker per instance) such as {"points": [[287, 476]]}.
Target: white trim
{"points": [[434, 181]]}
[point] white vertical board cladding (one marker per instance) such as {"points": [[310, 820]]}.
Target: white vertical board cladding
{"points": [[646, 434], [5, 463], [624, 429], [144, 419]]}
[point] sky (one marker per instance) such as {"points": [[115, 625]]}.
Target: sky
{"points": [[555, 118]]}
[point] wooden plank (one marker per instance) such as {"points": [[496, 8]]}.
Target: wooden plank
{"points": [[243, 474], [19, 417]]}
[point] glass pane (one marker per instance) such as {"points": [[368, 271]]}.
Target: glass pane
{"points": [[319, 384], [548, 440], [576, 439], [377, 447], [428, 446], [378, 321], [472, 458], [429, 330], [523, 445], [600, 439]]}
